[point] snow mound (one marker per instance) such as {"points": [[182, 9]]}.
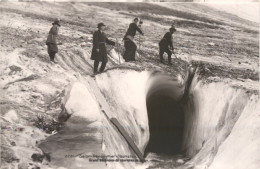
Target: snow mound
{"points": [[11, 116], [81, 103]]}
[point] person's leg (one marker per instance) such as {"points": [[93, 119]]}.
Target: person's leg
{"points": [[134, 48], [49, 52], [52, 50], [96, 63], [52, 55], [126, 54], [103, 66], [161, 51]]}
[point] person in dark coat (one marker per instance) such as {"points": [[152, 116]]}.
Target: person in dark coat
{"points": [[130, 45], [52, 40], [99, 50], [166, 44]]}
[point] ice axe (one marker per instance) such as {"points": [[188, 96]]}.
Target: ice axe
{"points": [[174, 53], [139, 41], [118, 51]]}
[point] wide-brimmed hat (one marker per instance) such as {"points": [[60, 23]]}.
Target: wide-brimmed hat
{"points": [[101, 24], [57, 22], [172, 29]]}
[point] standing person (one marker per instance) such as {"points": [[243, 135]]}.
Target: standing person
{"points": [[52, 40], [99, 50], [166, 44], [130, 45]]}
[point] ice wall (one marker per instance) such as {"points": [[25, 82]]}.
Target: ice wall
{"points": [[120, 94], [221, 122], [222, 127], [125, 93]]}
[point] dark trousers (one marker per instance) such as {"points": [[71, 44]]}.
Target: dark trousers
{"points": [[167, 50], [52, 55], [102, 68], [130, 49]]}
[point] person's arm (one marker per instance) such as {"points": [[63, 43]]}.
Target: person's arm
{"points": [[110, 42], [54, 32], [138, 29], [169, 39], [95, 41], [54, 35]]}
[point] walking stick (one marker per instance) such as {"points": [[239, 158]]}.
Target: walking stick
{"points": [[139, 41], [118, 51], [174, 53]]}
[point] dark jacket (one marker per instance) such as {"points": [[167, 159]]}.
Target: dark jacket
{"points": [[99, 42], [132, 30], [51, 40], [166, 41]]}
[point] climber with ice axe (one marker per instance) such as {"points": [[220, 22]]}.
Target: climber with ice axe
{"points": [[129, 43], [51, 41], [164, 45], [99, 49]]}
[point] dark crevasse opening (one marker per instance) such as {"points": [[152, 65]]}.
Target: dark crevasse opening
{"points": [[166, 124]]}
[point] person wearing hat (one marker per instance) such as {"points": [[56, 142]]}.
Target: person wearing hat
{"points": [[99, 50], [52, 40], [166, 44], [130, 45]]}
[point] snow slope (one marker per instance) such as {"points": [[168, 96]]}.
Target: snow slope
{"points": [[243, 9], [34, 92]]}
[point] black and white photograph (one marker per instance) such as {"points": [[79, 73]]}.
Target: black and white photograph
{"points": [[129, 84]]}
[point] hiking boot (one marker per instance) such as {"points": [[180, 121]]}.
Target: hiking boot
{"points": [[53, 61]]}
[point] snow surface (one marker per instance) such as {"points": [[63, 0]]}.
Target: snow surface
{"points": [[244, 9], [81, 103]]}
